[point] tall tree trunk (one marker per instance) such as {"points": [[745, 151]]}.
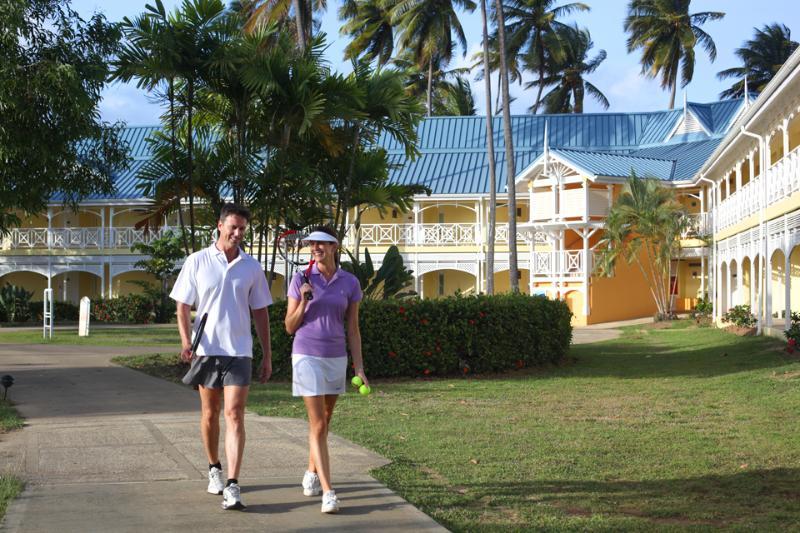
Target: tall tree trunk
{"points": [[541, 75], [490, 156], [430, 86], [298, 19], [672, 92], [190, 153], [511, 170], [497, 109], [174, 161]]}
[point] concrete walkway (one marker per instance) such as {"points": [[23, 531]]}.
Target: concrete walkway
{"points": [[603, 332], [110, 449]]}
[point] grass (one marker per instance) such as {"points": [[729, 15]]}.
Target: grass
{"points": [[10, 486], [662, 430], [138, 336]]}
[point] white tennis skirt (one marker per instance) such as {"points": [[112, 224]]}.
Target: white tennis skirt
{"points": [[318, 376]]}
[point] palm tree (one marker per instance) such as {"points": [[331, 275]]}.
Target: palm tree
{"points": [[511, 170], [277, 12], [568, 75], [513, 63], [667, 33], [427, 28], [454, 98], [369, 25], [644, 227], [761, 58], [530, 23], [489, 155]]}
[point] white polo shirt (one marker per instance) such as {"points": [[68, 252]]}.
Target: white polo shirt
{"points": [[227, 292]]}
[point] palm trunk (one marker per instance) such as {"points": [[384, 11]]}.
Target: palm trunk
{"points": [[430, 86], [190, 148], [490, 156], [298, 19], [511, 171], [174, 163], [672, 92]]}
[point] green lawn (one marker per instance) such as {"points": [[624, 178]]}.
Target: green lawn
{"points": [[10, 486], [670, 429], [143, 335]]}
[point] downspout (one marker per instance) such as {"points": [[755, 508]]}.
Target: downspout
{"points": [[763, 278], [713, 203]]}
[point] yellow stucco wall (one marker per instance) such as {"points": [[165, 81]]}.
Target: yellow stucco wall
{"points": [[502, 281], [624, 296], [454, 280], [30, 281]]}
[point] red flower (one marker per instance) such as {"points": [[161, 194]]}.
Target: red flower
{"points": [[423, 321], [429, 353], [426, 371], [466, 370], [520, 363], [471, 322], [392, 354], [482, 314], [401, 310], [792, 342]]}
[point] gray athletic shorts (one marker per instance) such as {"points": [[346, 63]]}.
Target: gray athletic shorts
{"points": [[217, 371]]}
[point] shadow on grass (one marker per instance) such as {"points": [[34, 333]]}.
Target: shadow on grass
{"points": [[752, 499], [673, 353]]}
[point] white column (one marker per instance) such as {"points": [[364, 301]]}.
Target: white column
{"points": [[751, 162], [585, 272], [738, 175], [767, 154], [702, 276], [49, 228], [787, 281], [585, 200], [728, 291], [417, 229], [785, 131], [752, 284], [111, 257], [556, 211], [767, 277], [727, 186]]}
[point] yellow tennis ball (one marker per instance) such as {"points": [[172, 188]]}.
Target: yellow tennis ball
{"points": [[364, 389], [356, 381]]}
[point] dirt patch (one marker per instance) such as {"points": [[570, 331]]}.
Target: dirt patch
{"points": [[740, 331], [785, 376]]}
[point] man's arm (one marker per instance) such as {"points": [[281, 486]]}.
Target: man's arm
{"points": [[261, 320], [185, 329]]}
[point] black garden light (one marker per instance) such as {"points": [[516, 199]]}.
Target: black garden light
{"points": [[6, 381]]}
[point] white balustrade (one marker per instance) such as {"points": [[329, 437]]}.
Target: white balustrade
{"points": [[562, 264], [699, 224]]}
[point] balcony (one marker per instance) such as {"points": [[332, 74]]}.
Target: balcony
{"points": [[699, 225], [571, 204], [562, 264], [122, 238]]}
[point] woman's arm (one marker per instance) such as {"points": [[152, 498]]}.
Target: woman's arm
{"points": [[296, 309], [354, 340]]}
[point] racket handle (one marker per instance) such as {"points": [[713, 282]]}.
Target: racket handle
{"points": [[309, 295]]}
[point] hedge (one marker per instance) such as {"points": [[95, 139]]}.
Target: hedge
{"points": [[62, 311], [447, 336], [128, 309]]}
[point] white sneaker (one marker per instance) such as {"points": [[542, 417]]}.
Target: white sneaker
{"points": [[330, 503], [232, 498], [215, 484], [311, 485]]}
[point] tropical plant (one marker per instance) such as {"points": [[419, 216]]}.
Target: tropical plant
{"points": [[260, 13], [761, 58], [15, 303], [513, 63], [391, 279], [533, 25], [644, 227], [164, 252], [740, 316], [667, 33], [508, 139], [369, 25], [427, 28], [53, 67], [567, 74], [454, 98]]}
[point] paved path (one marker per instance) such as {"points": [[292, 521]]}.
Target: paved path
{"points": [[109, 449], [603, 332]]}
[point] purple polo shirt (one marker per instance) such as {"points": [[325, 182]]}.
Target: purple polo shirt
{"points": [[322, 333]]}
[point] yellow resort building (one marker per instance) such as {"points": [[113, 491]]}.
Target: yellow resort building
{"points": [[733, 164]]}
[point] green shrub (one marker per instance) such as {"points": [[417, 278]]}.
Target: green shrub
{"points": [[793, 334], [740, 316], [475, 334], [128, 309], [702, 312], [15, 303], [62, 311]]}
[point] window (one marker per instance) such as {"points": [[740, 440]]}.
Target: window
{"points": [[394, 213], [519, 212], [441, 283]]}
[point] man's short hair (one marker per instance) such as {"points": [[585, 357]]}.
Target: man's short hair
{"points": [[234, 209]]}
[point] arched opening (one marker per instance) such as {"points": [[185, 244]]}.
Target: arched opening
{"points": [[130, 282], [778, 288], [30, 281], [73, 285], [574, 300], [735, 288], [748, 288], [447, 282], [724, 300]]}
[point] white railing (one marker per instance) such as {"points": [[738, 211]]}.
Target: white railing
{"points": [[699, 224], [85, 238], [454, 234], [571, 204], [783, 180], [563, 264]]}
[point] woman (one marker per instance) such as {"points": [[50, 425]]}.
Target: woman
{"points": [[319, 352]]}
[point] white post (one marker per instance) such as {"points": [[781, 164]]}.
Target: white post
{"points": [[767, 277], [585, 200], [585, 272], [49, 228], [787, 273], [83, 317], [728, 277], [702, 276], [47, 314], [752, 283], [785, 131], [738, 175], [417, 229]]}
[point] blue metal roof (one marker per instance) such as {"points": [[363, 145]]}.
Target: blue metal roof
{"points": [[453, 149], [616, 165]]}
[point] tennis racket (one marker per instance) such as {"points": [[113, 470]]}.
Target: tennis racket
{"points": [[199, 333], [289, 244]]}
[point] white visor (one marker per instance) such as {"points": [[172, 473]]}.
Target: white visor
{"points": [[319, 236]]}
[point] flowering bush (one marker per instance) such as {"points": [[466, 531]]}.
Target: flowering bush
{"points": [[740, 316], [129, 309], [447, 336], [793, 334]]}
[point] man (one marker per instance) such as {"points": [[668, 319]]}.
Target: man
{"points": [[227, 284]]}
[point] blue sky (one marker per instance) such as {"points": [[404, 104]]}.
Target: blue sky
{"points": [[618, 77]]}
